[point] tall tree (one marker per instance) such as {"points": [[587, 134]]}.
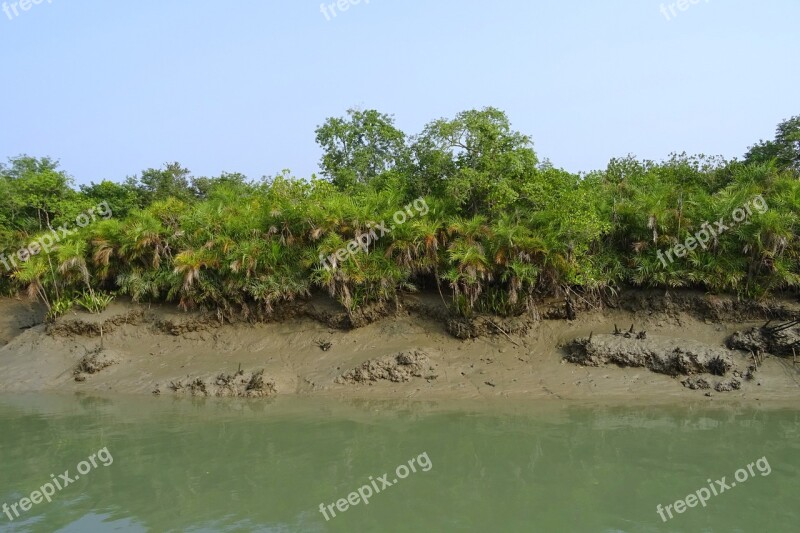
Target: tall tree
{"points": [[476, 159], [38, 192], [359, 147], [122, 198], [784, 149], [160, 184]]}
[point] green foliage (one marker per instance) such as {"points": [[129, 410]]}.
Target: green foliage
{"points": [[783, 151], [121, 198], [37, 193], [94, 302], [500, 229], [360, 147], [160, 184], [60, 307], [477, 160]]}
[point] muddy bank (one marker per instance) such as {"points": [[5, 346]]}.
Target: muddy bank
{"points": [[782, 340], [400, 368], [411, 349], [236, 385], [664, 355], [18, 315], [704, 366]]}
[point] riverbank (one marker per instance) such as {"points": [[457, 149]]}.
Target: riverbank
{"points": [[406, 352]]}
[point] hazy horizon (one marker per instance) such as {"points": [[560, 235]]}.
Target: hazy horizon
{"points": [[110, 90]]}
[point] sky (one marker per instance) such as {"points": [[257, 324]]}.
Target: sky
{"points": [[112, 88]]}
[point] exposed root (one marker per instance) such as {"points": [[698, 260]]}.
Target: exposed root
{"points": [[782, 340], [238, 385]]}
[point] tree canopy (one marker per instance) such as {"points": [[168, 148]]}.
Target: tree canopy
{"points": [[500, 229]]}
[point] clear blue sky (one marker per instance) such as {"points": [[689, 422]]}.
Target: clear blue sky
{"points": [[111, 88]]}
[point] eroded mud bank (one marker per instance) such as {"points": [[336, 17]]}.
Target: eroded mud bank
{"points": [[683, 346]]}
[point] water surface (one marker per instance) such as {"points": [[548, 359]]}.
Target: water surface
{"points": [[189, 465]]}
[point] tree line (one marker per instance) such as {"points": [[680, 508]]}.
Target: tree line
{"points": [[502, 227]]}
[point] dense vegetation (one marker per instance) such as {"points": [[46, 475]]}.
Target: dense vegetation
{"points": [[502, 228]]}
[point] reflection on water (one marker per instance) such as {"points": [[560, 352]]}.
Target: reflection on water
{"points": [[235, 465]]}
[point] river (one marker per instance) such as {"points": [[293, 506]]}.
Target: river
{"points": [[165, 464]]}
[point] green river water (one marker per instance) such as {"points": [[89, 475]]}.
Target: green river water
{"points": [[190, 465]]}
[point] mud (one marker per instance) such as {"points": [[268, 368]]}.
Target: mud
{"points": [[91, 326], [714, 308], [238, 385], [482, 326], [767, 339], [728, 386], [96, 361], [399, 368], [312, 347], [696, 383], [663, 355], [18, 315]]}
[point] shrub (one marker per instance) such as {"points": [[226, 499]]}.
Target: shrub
{"points": [[94, 302]]}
